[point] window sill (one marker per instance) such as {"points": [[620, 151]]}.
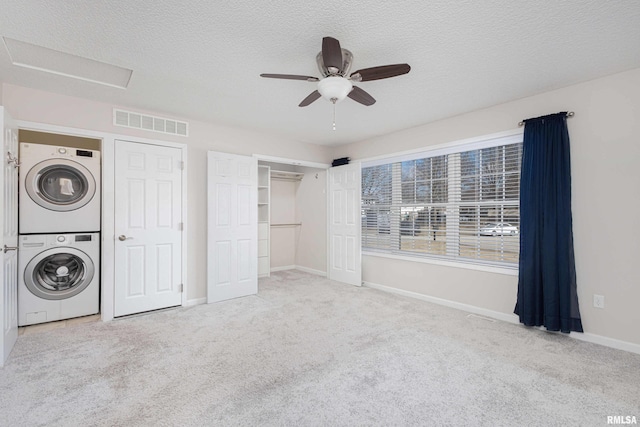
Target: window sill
{"points": [[509, 271]]}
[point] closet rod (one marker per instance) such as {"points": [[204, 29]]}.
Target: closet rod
{"points": [[296, 224]]}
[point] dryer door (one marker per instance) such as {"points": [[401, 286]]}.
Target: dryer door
{"points": [[60, 185], [59, 273]]}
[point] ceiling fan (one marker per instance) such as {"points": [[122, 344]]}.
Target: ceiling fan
{"points": [[336, 84]]}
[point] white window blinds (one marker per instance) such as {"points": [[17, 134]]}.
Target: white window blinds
{"points": [[463, 204]]}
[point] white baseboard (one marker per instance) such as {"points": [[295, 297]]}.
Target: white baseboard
{"points": [[301, 268], [283, 268], [607, 342], [505, 317], [511, 318], [311, 271], [196, 301]]}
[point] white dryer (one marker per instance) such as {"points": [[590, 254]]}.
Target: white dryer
{"points": [[59, 189], [59, 276]]}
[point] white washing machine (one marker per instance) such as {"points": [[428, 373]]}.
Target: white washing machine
{"points": [[59, 276], [59, 189]]}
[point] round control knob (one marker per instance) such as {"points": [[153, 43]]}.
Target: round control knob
{"points": [[61, 239], [62, 150]]}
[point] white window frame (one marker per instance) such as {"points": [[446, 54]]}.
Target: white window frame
{"points": [[476, 143]]}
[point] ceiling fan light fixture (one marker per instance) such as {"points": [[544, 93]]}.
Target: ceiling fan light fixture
{"points": [[336, 83], [334, 88]]}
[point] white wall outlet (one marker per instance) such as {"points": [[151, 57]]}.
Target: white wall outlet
{"points": [[598, 301]]}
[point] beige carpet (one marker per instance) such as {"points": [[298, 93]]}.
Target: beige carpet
{"points": [[309, 352]]}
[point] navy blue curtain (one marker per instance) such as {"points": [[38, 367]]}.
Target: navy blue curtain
{"points": [[547, 278]]}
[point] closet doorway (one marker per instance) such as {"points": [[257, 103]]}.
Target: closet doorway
{"points": [[292, 216]]}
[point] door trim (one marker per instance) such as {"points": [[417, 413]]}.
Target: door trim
{"points": [[107, 233]]}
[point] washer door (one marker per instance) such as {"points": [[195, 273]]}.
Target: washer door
{"points": [[58, 273], [60, 185]]}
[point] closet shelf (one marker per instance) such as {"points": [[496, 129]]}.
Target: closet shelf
{"points": [[264, 218], [291, 176]]}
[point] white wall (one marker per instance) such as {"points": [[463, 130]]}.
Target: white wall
{"points": [[311, 211], [605, 156], [44, 107]]}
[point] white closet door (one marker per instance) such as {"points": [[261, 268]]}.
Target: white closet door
{"points": [[232, 241], [148, 225], [345, 264], [9, 243]]}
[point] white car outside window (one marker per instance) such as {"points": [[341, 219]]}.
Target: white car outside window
{"points": [[498, 229]]}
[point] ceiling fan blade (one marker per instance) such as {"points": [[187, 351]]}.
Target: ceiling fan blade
{"points": [[361, 96], [332, 54], [382, 72], [290, 77], [309, 99]]}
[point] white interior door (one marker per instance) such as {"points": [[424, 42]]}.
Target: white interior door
{"points": [[345, 264], [148, 227], [9, 243], [232, 241]]}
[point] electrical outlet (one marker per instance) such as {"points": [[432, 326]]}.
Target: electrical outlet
{"points": [[598, 301]]}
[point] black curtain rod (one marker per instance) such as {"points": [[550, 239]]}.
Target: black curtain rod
{"points": [[569, 114]]}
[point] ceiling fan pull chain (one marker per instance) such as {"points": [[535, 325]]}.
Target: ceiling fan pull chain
{"points": [[334, 114]]}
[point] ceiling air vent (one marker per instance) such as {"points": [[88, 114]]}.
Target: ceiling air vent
{"points": [[130, 119]]}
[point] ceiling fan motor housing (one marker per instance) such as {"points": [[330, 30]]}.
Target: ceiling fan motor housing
{"points": [[347, 60]]}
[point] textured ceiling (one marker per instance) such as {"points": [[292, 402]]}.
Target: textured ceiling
{"points": [[202, 59]]}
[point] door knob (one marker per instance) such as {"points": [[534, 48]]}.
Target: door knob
{"points": [[10, 248], [122, 237]]}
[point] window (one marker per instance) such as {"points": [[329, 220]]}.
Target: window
{"points": [[462, 204]]}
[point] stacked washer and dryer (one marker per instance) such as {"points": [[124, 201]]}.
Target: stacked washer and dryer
{"points": [[59, 228]]}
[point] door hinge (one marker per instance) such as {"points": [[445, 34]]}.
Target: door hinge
{"points": [[181, 226], [13, 159], [181, 288], [182, 165]]}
